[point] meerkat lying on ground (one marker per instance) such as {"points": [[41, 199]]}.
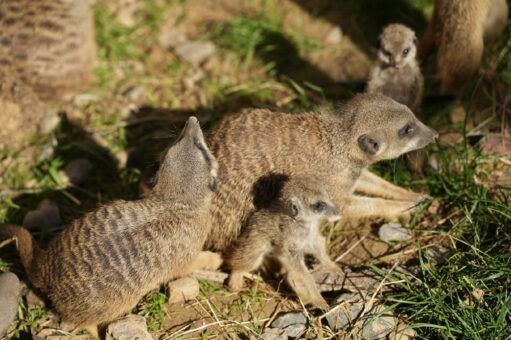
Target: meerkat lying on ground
{"points": [[460, 30], [287, 231], [396, 73], [49, 43], [100, 266], [259, 146]]}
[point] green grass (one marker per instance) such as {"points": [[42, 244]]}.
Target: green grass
{"points": [[153, 310]]}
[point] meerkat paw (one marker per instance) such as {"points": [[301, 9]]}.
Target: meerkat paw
{"points": [[318, 303], [214, 260], [235, 283]]}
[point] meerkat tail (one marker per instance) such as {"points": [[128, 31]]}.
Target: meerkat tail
{"points": [[27, 247]]}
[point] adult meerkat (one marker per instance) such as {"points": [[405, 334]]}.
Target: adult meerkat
{"points": [[396, 73], [50, 44], [460, 30], [287, 231], [258, 146], [100, 266]]}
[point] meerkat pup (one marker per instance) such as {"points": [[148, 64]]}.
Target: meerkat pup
{"points": [[102, 264], [460, 30], [396, 73], [335, 146], [287, 231], [49, 43]]}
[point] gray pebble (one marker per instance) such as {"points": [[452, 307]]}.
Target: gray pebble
{"points": [[9, 294], [49, 123], [195, 52], [293, 324], [394, 232], [131, 327]]}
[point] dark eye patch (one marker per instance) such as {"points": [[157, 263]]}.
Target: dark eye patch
{"points": [[319, 206], [407, 131]]}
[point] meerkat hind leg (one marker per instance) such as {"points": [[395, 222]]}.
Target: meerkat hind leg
{"points": [[204, 260], [360, 207], [371, 184]]}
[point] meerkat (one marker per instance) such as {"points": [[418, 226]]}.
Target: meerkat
{"points": [[397, 73], [102, 264], [460, 30], [50, 44], [259, 145], [287, 231], [21, 111]]}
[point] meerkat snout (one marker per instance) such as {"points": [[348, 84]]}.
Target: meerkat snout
{"points": [[397, 46]]}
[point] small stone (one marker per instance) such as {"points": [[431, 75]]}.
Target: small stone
{"points": [[49, 123], [345, 315], [46, 216], [293, 324], [457, 115], [45, 152], [496, 144], [131, 327], [378, 323], [85, 99], [75, 171], [403, 332], [334, 37], [172, 38], [9, 294], [274, 334], [182, 290], [195, 52], [134, 93], [393, 232]]}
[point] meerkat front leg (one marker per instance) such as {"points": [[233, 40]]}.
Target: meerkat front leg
{"points": [[359, 207], [371, 184], [301, 281], [322, 256]]}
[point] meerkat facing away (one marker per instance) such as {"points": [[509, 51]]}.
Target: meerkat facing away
{"points": [[50, 44], [287, 231], [100, 266], [396, 73], [460, 30], [335, 146]]}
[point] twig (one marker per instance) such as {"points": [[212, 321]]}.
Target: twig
{"points": [[350, 248]]}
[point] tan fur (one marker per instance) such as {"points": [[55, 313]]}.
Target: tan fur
{"points": [[287, 231], [20, 110], [396, 73], [460, 30], [50, 44], [100, 266], [257, 147]]}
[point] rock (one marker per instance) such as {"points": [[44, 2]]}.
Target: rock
{"points": [[131, 327], [134, 93], [457, 115], [84, 99], [182, 290], [46, 216], [378, 323], [75, 171], [326, 280], [9, 294], [403, 332], [45, 152], [334, 37], [172, 37], [57, 334], [274, 334], [195, 52], [347, 314], [393, 232], [496, 144], [48, 123], [293, 324]]}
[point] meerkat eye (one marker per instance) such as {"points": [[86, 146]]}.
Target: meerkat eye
{"points": [[319, 206], [406, 51], [408, 130]]}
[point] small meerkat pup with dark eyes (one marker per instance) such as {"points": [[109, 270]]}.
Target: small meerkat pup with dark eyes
{"points": [[396, 73], [287, 231]]}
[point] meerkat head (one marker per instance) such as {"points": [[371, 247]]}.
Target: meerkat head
{"points": [[381, 128], [306, 200], [187, 169], [397, 45]]}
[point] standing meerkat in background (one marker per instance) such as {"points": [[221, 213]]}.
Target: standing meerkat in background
{"points": [[100, 266], [396, 73], [258, 146], [287, 231], [49, 43], [460, 30]]}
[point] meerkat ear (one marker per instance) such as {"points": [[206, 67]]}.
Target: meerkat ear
{"points": [[370, 145], [293, 207]]}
